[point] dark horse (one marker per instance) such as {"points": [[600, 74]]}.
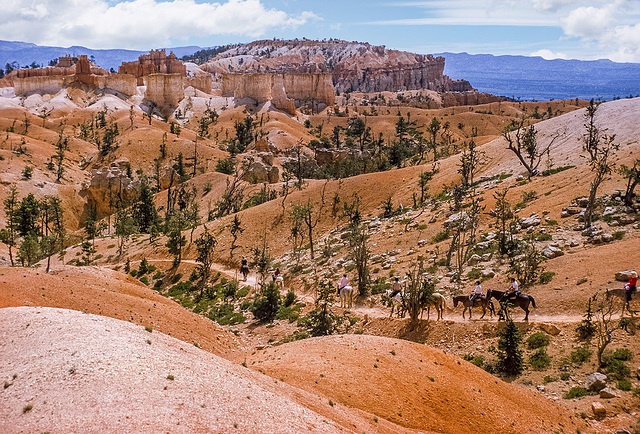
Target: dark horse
{"points": [[483, 302], [521, 300]]}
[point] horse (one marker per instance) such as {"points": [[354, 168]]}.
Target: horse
{"points": [[438, 302], [346, 296], [279, 281], [622, 294], [396, 303], [520, 300], [466, 302], [244, 269]]}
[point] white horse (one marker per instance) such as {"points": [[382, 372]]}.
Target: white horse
{"points": [[396, 302], [279, 281], [346, 296], [439, 302]]}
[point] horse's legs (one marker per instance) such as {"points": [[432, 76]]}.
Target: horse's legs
{"points": [[484, 310]]}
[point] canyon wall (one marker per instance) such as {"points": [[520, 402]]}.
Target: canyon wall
{"points": [[164, 89], [200, 82], [285, 91]]}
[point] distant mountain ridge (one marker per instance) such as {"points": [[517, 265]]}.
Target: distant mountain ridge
{"points": [[534, 78], [25, 53], [518, 77]]}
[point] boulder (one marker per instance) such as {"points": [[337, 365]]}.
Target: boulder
{"points": [[609, 210], [608, 393], [606, 238], [598, 410], [569, 211], [623, 276], [582, 280], [550, 329], [626, 219], [552, 252], [596, 382], [488, 273], [474, 259], [533, 220]]}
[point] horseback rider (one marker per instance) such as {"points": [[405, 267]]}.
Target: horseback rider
{"points": [[396, 288], [244, 267], [630, 287], [476, 294], [343, 282], [513, 291]]}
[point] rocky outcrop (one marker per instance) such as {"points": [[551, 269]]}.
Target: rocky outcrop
{"points": [[156, 62], [166, 90], [109, 183], [285, 91], [353, 66], [201, 82]]}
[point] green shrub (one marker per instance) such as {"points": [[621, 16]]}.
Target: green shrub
{"points": [[580, 355], [158, 283], [537, 340], [556, 170], [618, 235], [379, 286], [220, 311], [544, 237], [158, 275], [246, 305], [133, 273], [287, 313], [623, 354], [617, 369], [289, 298], [243, 292], [546, 277], [576, 392], [232, 318], [265, 307], [474, 274], [440, 236], [476, 360], [565, 376], [144, 280], [540, 359], [624, 385], [176, 278], [180, 288], [549, 379], [551, 223]]}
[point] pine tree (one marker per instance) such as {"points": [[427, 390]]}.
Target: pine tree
{"points": [[144, 210], [9, 234], [509, 353], [266, 305]]}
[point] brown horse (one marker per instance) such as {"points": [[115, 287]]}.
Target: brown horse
{"points": [[483, 302], [521, 300], [438, 302]]}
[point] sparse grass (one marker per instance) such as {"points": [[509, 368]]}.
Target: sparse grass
{"points": [[624, 385], [540, 360], [618, 235], [544, 237], [551, 223], [537, 340], [27, 408], [580, 355], [546, 277], [439, 237], [148, 329], [576, 392], [170, 377], [549, 379]]}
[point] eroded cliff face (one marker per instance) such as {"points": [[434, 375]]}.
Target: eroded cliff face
{"points": [[166, 90], [285, 91], [353, 66]]}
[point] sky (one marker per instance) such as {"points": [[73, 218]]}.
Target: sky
{"points": [[566, 29]]}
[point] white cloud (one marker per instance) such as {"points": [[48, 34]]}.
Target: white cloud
{"points": [[613, 28], [137, 23], [549, 55]]}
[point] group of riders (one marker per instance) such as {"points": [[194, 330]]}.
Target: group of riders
{"points": [[476, 294]]}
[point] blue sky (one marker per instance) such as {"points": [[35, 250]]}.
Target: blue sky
{"points": [[551, 28]]}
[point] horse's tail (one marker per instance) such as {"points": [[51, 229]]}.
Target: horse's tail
{"points": [[533, 302]]}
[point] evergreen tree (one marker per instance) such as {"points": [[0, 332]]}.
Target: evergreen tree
{"points": [[144, 210], [509, 352], [174, 225], [321, 321], [265, 307], [27, 215], [29, 251], [9, 234], [125, 226], [205, 245]]}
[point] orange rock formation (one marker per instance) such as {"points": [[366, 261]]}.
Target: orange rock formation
{"points": [[156, 62]]}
